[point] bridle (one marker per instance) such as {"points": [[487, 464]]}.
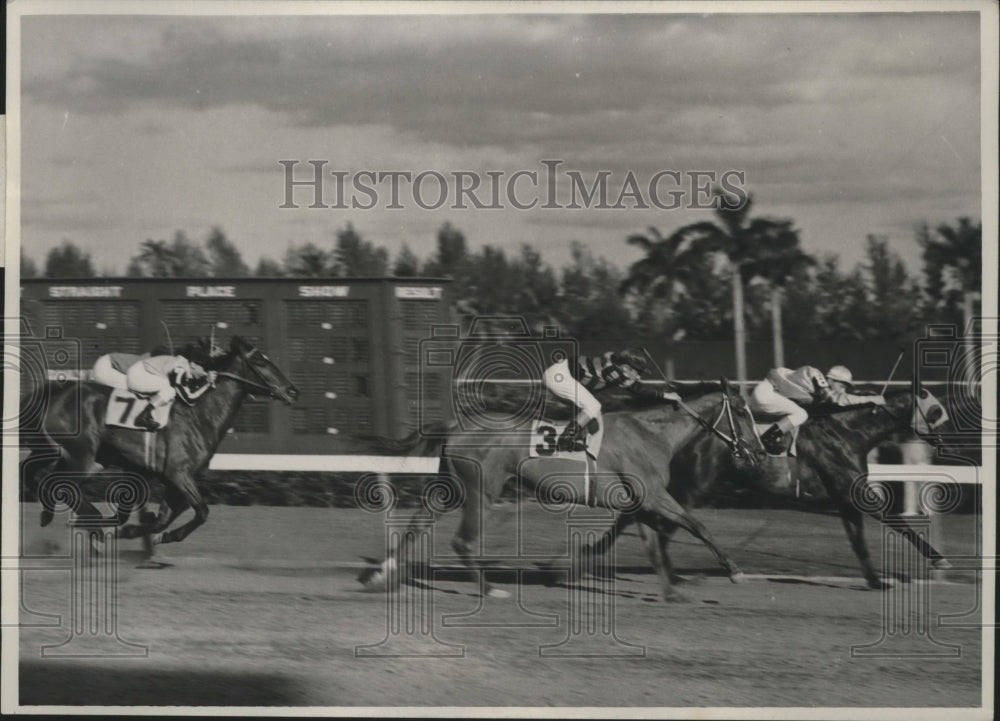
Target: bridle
{"points": [[740, 448], [246, 357], [935, 438]]}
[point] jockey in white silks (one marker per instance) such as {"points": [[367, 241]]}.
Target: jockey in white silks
{"points": [[110, 368], [784, 391], [161, 376], [578, 382]]}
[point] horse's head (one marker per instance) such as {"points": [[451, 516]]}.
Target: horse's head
{"points": [[745, 447], [928, 412], [266, 376]]}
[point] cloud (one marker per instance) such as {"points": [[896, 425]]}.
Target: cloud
{"points": [[509, 79], [176, 121]]}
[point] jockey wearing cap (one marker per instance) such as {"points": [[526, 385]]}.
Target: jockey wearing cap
{"points": [[163, 376], [784, 391], [110, 368], [578, 382]]}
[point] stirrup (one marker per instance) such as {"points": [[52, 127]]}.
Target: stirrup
{"points": [[573, 438]]}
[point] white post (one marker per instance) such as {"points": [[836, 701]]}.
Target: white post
{"points": [[739, 332], [915, 452]]}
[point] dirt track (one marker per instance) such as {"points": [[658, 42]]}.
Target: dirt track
{"points": [[259, 608]]}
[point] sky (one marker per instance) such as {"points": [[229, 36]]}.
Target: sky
{"points": [[134, 127]]}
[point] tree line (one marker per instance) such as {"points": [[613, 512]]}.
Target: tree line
{"points": [[737, 276]]}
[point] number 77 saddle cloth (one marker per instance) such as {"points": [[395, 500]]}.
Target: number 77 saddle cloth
{"points": [[124, 406]]}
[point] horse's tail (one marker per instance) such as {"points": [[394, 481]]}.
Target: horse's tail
{"points": [[426, 441]]}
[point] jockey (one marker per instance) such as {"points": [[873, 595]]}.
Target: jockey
{"points": [[110, 368], [164, 376], [578, 382], [784, 391]]}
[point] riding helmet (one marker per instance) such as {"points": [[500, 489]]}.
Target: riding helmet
{"points": [[840, 373], [633, 357]]}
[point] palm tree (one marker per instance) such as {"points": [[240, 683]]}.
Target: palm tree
{"points": [[739, 240], [661, 275], [180, 258], [154, 260]]}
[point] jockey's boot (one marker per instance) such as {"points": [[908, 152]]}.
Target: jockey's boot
{"points": [[773, 440], [145, 418], [573, 438]]}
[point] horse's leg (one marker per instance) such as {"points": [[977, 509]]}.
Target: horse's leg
{"points": [[853, 521], [610, 536], [394, 568], [838, 487], [663, 535], [650, 539], [187, 490], [919, 542], [83, 466], [674, 512], [173, 505], [473, 510]]}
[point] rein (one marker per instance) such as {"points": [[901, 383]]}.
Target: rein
{"points": [[713, 428], [241, 379], [736, 442], [937, 439], [247, 381]]}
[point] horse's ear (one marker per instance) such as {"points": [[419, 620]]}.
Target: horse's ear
{"points": [[726, 387]]}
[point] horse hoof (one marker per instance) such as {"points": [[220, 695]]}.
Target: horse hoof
{"points": [[372, 580], [877, 584], [738, 577], [942, 564], [497, 593]]}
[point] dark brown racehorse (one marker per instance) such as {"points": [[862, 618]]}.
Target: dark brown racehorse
{"points": [[832, 446], [631, 474], [67, 422]]}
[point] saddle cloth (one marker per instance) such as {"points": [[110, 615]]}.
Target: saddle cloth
{"points": [[124, 406], [545, 436]]}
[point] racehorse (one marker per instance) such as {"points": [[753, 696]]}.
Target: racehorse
{"points": [[71, 423], [631, 474], [834, 446]]}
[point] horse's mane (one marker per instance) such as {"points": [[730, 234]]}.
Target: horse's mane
{"points": [[829, 410], [202, 348]]}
